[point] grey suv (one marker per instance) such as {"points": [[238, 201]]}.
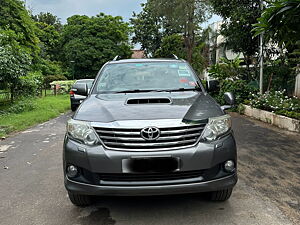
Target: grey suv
{"points": [[149, 127]]}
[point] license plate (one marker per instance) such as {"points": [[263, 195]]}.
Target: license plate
{"points": [[150, 165]]}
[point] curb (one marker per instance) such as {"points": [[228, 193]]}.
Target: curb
{"points": [[272, 118]]}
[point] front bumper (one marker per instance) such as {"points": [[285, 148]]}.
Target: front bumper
{"points": [[89, 189], [96, 162]]}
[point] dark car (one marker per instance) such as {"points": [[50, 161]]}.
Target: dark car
{"points": [[149, 127], [75, 98]]}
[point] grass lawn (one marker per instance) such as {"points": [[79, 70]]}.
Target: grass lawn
{"points": [[45, 109]]}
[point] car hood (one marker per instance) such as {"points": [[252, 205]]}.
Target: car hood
{"points": [[188, 106]]}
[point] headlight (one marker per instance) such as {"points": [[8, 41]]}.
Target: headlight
{"points": [[216, 126], [82, 131]]}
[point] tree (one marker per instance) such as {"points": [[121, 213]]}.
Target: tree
{"points": [[49, 19], [280, 23], [239, 15], [147, 29], [89, 42], [49, 40], [171, 44], [183, 17], [14, 16], [14, 60]]}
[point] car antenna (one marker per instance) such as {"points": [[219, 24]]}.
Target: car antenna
{"points": [[116, 58], [175, 56]]}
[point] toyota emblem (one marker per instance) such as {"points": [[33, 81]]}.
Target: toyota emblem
{"points": [[150, 133]]}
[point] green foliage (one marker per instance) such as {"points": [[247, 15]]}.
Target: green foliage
{"points": [[14, 16], [89, 42], [181, 17], [279, 77], [147, 29], [237, 27], [280, 21], [277, 102], [241, 109], [49, 19], [172, 44], [226, 69], [157, 25], [49, 40], [48, 67], [44, 109], [229, 74], [241, 89], [14, 59], [30, 85], [23, 105]]}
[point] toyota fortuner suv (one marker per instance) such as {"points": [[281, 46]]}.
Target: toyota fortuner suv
{"points": [[149, 127]]}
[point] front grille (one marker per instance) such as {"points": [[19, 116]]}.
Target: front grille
{"points": [[170, 138]]}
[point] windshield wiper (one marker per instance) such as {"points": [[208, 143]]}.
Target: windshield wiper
{"points": [[180, 89], [151, 90], [133, 91]]}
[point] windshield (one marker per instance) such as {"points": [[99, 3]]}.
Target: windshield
{"points": [[88, 82], [157, 76]]}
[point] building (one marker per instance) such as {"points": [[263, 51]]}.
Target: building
{"points": [[138, 54]]}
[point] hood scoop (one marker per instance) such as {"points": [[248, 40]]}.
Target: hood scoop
{"points": [[138, 101]]}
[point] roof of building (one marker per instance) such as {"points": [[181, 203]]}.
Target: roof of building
{"points": [[138, 54]]}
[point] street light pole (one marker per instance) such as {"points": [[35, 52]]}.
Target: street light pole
{"points": [[73, 68], [261, 56]]}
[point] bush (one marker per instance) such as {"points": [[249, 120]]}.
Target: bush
{"points": [[240, 88], [23, 105], [278, 103], [279, 77], [230, 74], [226, 69], [29, 85]]}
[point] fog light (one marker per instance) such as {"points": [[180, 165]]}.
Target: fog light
{"points": [[72, 171], [229, 166]]}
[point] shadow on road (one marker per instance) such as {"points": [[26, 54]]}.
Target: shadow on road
{"points": [[173, 209]]}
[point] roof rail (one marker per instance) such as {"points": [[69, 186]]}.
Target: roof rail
{"points": [[116, 58], [175, 56]]}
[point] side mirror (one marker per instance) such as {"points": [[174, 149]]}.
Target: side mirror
{"points": [[229, 99], [212, 85], [80, 89]]}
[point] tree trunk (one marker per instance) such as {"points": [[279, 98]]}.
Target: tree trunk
{"points": [[190, 34]]}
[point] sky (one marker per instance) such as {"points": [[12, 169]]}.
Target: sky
{"points": [[66, 8]]}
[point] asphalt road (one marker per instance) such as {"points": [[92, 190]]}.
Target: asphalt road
{"points": [[268, 191]]}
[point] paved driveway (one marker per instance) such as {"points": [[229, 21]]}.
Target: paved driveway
{"points": [[32, 192]]}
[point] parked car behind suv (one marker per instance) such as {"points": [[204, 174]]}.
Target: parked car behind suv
{"points": [[76, 99], [148, 127]]}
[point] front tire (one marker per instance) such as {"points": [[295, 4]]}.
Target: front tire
{"points": [[80, 200], [221, 195]]}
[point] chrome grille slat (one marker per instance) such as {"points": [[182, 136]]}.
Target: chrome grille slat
{"points": [[141, 139], [181, 131], [128, 133], [151, 144], [130, 139]]}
